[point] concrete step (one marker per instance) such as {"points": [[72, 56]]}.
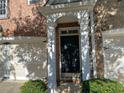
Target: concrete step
{"points": [[68, 88]]}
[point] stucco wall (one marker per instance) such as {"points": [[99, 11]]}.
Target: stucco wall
{"points": [[114, 57], [23, 61]]}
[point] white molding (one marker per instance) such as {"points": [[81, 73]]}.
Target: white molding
{"points": [[66, 8], [69, 28], [84, 39], [34, 2], [28, 2], [4, 16], [51, 58], [21, 39], [114, 33]]}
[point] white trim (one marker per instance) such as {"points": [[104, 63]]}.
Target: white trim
{"points": [[6, 10], [21, 40], [67, 29], [66, 8], [28, 2], [70, 28], [114, 33], [51, 58], [84, 36], [32, 3]]}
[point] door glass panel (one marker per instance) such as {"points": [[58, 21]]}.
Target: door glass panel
{"points": [[70, 62]]}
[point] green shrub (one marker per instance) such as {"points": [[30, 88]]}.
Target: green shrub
{"points": [[101, 86], [34, 86]]}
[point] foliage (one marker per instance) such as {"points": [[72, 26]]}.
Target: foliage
{"points": [[101, 86], [34, 86]]}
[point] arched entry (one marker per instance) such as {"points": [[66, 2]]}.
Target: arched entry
{"points": [[68, 65]]}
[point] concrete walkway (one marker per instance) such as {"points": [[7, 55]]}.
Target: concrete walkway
{"points": [[10, 86]]}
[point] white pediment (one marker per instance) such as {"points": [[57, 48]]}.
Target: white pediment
{"points": [[59, 8]]}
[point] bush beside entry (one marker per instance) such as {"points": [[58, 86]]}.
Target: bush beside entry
{"points": [[101, 86], [34, 86]]}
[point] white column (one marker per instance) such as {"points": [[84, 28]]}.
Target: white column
{"points": [[51, 58], [93, 44], [84, 39]]}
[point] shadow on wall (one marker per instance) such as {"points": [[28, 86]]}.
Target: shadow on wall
{"points": [[34, 58], [24, 61], [5, 67], [114, 58], [1, 70]]}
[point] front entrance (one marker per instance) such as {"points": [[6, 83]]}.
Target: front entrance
{"points": [[70, 56]]}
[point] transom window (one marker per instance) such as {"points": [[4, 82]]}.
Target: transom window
{"points": [[64, 32], [69, 31], [3, 9]]}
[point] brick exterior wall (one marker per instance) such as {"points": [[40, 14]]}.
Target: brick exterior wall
{"points": [[22, 21]]}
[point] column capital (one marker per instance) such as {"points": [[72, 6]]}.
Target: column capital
{"points": [[51, 24]]}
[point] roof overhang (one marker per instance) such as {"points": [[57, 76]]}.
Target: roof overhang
{"points": [[60, 8]]}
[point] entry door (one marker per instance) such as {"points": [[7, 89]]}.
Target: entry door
{"points": [[70, 60]]}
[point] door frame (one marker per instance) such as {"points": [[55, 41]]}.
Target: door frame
{"points": [[69, 34]]}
